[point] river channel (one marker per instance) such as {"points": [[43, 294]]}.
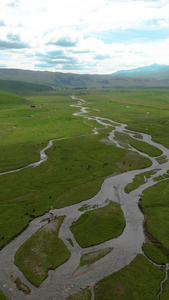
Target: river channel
{"points": [[67, 279]]}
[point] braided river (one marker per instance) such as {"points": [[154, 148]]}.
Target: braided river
{"points": [[68, 278]]}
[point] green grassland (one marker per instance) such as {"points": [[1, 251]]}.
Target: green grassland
{"points": [[165, 293], [98, 225], [77, 166], [139, 145], [155, 207], [139, 280], [51, 118], [162, 159], [43, 251], [138, 180], [113, 104], [8, 100]]}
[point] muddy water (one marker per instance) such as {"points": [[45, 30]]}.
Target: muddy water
{"points": [[67, 279]]}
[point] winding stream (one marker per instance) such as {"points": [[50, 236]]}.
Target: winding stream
{"points": [[66, 280]]}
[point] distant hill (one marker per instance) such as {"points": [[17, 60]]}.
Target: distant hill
{"points": [[152, 71], [57, 79], [10, 99], [21, 88], [152, 76]]}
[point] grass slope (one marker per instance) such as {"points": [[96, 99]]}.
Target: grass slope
{"points": [[139, 280], [8, 100], [22, 88]]}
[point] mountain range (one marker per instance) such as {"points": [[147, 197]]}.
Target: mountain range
{"points": [[21, 81], [153, 71]]}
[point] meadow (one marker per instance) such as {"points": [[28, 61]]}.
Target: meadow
{"points": [[43, 251], [76, 168], [99, 225], [144, 110], [139, 280]]}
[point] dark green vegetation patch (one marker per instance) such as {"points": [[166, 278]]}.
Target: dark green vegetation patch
{"points": [[2, 296], [139, 280], [155, 207], [98, 225], [165, 293], [42, 252], [138, 181]]}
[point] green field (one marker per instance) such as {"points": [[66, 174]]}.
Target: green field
{"points": [[113, 104], [77, 164], [138, 180], [98, 225], [140, 280], [155, 206], [43, 251], [139, 145]]}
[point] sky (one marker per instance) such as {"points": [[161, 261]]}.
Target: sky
{"points": [[83, 36]]}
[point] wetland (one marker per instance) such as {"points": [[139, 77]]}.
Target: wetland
{"points": [[88, 158]]}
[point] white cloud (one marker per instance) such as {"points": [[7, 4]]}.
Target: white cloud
{"points": [[73, 27]]}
